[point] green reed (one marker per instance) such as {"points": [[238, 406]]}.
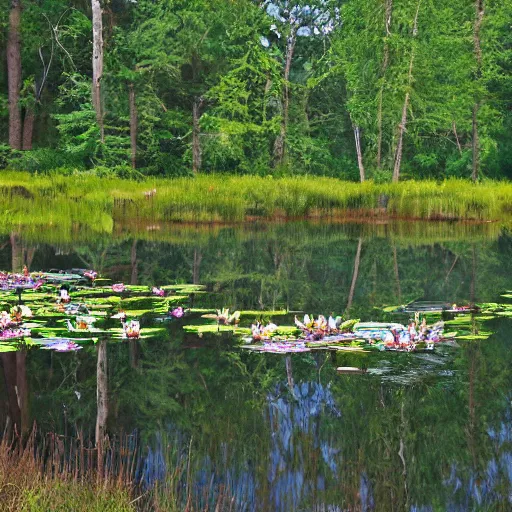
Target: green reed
{"points": [[86, 200]]}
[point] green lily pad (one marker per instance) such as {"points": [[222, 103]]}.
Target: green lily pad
{"points": [[213, 328]]}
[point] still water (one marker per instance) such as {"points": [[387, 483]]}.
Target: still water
{"points": [[250, 431]]}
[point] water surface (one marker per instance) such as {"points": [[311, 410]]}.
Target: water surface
{"points": [[418, 432]]}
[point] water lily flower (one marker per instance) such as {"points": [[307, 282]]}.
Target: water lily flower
{"points": [[5, 320], [158, 291], [131, 329], [118, 287], [64, 295], [177, 312], [83, 323], [91, 274], [20, 312], [223, 317], [121, 315], [14, 333], [260, 332]]}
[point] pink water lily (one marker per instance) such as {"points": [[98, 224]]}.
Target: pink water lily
{"points": [[177, 312], [158, 291], [91, 274], [119, 287]]}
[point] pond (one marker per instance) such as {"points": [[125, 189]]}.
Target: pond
{"points": [[239, 430]]}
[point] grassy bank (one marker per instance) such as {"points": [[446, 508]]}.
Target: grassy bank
{"points": [[99, 203]]}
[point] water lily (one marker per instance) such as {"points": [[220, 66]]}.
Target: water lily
{"points": [[64, 295], [177, 312], [263, 332], [5, 320], [118, 287], [223, 317], [131, 329], [20, 312], [91, 274], [158, 291]]}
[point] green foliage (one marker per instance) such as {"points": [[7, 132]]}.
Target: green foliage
{"points": [[97, 198], [350, 66]]}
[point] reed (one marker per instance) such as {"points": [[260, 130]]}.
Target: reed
{"points": [[38, 480], [60, 474], [98, 203]]}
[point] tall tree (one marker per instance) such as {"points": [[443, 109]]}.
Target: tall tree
{"points": [[353, 54], [403, 122], [479, 18], [388, 15], [293, 19], [14, 74], [133, 124], [97, 63]]}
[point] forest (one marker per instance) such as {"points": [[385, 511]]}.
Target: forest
{"points": [[356, 89]]}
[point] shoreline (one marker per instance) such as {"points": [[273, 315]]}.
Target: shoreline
{"points": [[226, 200]]}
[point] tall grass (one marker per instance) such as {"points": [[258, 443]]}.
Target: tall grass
{"points": [[39, 480], [85, 200], [59, 474]]}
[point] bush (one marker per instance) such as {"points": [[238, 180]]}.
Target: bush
{"points": [[42, 161], [6, 154]]}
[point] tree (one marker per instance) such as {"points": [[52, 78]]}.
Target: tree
{"points": [[97, 63], [293, 19], [403, 121], [353, 55], [479, 18], [14, 74]]}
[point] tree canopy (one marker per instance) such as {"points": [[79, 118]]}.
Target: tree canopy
{"points": [[355, 89]]}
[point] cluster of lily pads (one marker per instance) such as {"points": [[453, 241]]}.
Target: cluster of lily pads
{"points": [[431, 324], [63, 310]]}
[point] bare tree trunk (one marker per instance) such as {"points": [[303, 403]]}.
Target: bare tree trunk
{"points": [[475, 144], [459, 147], [479, 17], [102, 403], [355, 274], [134, 264], [97, 64], [403, 123], [289, 373], [28, 127], [387, 21], [22, 391], [16, 253], [14, 74], [133, 125], [399, 148], [357, 136], [9, 368], [196, 266], [196, 131], [397, 274], [280, 143]]}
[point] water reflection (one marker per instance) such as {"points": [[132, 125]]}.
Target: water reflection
{"points": [[417, 432]]}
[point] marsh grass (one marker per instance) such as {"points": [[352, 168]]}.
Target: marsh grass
{"points": [[42, 478], [73, 202], [57, 473]]}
